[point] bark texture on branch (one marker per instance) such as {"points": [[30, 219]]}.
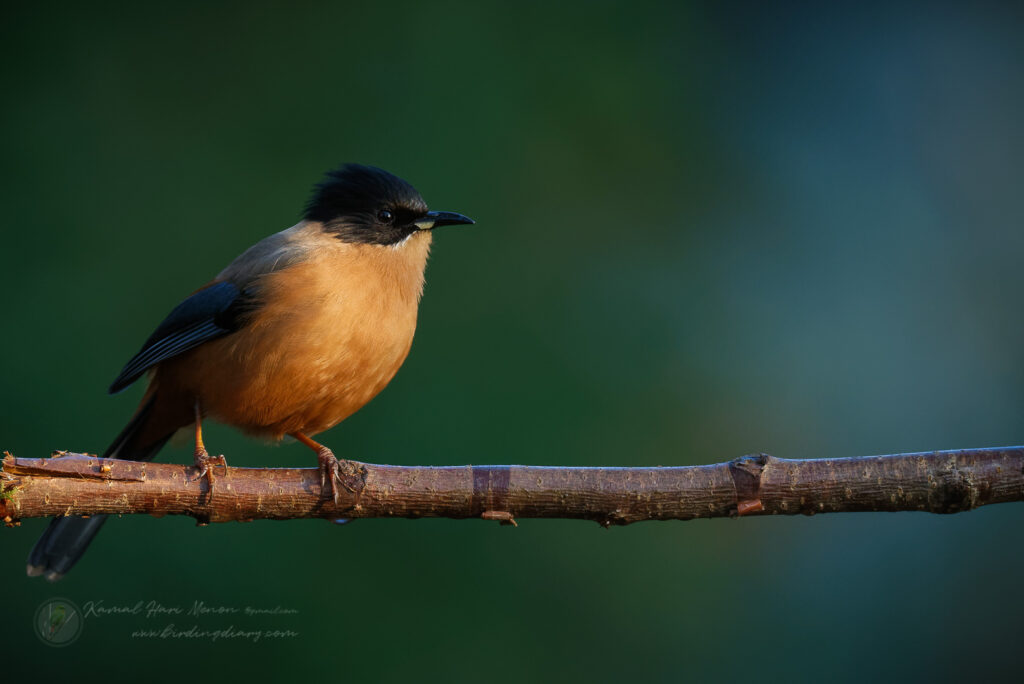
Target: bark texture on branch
{"points": [[934, 482]]}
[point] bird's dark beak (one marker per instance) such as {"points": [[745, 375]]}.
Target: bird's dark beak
{"points": [[433, 219]]}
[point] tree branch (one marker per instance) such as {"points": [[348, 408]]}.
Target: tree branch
{"points": [[934, 482]]}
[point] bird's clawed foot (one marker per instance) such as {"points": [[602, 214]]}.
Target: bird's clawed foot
{"points": [[330, 471], [351, 474], [205, 463]]}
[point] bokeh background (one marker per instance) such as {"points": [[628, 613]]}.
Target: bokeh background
{"points": [[703, 230]]}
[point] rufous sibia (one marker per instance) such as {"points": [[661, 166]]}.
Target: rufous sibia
{"points": [[294, 336]]}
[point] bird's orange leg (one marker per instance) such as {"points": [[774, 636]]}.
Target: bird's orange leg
{"points": [[202, 458], [330, 469]]}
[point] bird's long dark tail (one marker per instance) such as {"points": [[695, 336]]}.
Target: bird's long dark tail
{"points": [[66, 539]]}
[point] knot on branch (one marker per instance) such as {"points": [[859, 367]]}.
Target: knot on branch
{"points": [[956, 488], [616, 517], [746, 474], [352, 475]]}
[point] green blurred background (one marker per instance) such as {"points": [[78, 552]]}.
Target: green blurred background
{"points": [[702, 230]]}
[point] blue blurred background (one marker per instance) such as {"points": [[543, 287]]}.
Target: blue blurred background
{"points": [[702, 230]]}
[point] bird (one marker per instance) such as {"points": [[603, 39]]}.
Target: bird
{"points": [[295, 335], [58, 618]]}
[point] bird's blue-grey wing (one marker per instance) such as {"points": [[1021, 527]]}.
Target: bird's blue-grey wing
{"points": [[210, 313]]}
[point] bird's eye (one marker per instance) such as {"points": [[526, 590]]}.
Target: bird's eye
{"points": [[385, 216]]}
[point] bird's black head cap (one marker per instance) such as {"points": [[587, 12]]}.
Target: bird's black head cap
{"points": [[366, 204]]}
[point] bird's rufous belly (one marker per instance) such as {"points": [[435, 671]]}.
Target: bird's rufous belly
{"points": [[304, 363]]}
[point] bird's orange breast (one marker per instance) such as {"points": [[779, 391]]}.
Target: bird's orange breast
{"points": [[331, 332]]}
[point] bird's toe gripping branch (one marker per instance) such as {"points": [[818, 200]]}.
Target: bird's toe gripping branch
{"points": [[351, 475], [205, 463], [201, 457]]}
